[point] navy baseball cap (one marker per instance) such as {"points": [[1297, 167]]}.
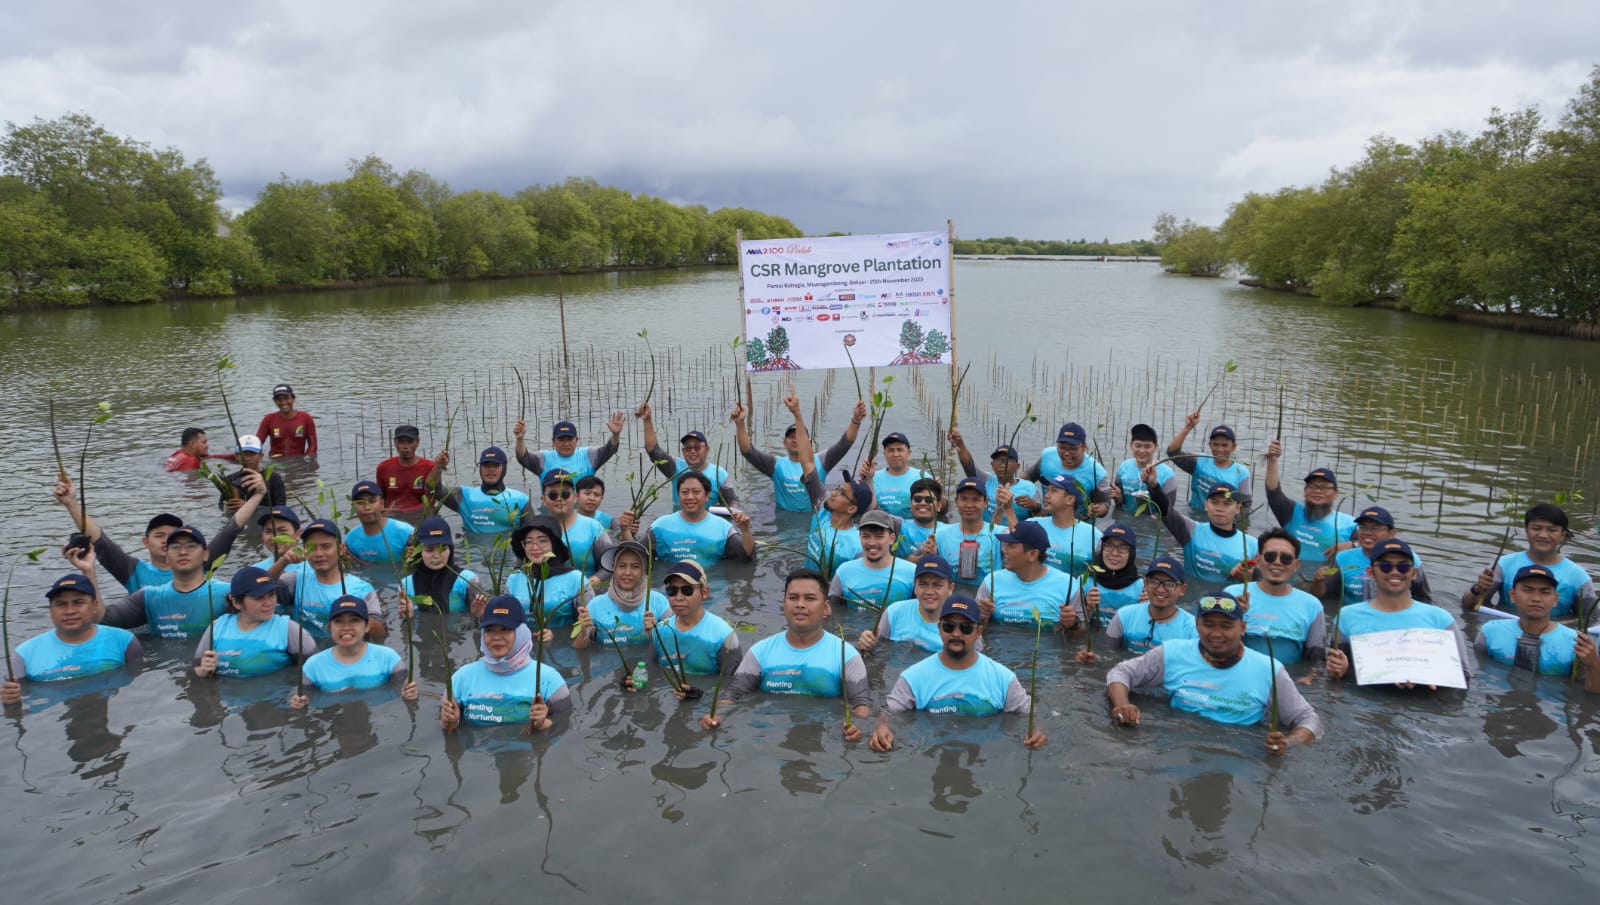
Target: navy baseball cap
{"points": [[788, 431], [557, 476], [504, 611], [692, 435], [72, 581], [934, 564], [325, 525], [1222, 602], [283, 389], [366, 487], [690, 571], [492, 455], [349, 604], [1322, 474], [896, 437], [434, 531], [1222, 430], [251, 582], [1142, 432], [1122, 533], [1535, 572], [1376, 514], [1168, 566], [407, 432], [563, 429], [283, 512], [861, 492], [1222, 488], [1072, 432], [1005, 452], [188, 531], [972, 484], [960, 605], [1066, 483], [1390, 545], [1028, 534], [163, 520]]}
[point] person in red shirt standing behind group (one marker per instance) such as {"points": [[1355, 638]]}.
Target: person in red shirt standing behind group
{"points": [[404, 476], [287, 432]]}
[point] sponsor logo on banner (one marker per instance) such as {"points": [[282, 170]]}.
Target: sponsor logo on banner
{"points": [[847, 296], [835, 307], [765, 311], [822, 317]]}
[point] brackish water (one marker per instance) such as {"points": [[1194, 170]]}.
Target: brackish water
{"points": [[171, 789]]}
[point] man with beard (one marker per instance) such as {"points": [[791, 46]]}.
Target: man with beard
{"points": [[957, 679], [1316, 523], [1218, 678]]}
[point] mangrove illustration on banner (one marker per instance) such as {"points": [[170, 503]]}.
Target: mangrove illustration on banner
{"points": [[819, 303]]}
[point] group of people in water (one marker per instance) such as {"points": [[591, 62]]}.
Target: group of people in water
{"points": [[1024, 549]]}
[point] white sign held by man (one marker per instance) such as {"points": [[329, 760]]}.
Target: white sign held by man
{"points": [[1423, 656], [884, 298]]}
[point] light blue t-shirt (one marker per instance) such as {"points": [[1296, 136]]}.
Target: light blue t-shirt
{"points": [[705, 541], [1207, 474], [905, 623], [314, 600], [387, 546], [1020, 489], [1071, 549], [482, 513], [561, 596], [1112, 600], [828, 548], [489, 698], [815, 670], [184, 614], [1237, 694], [893, 491], [696, 650], [908, 543], [1571, 582], [1130, 479], [985, 551], [625, 625], [1208, 556], [579, 464], [1015, 599], [1288, 619], [861, 584], [1319, 534], [376, 668], [1555, 646], [261, 650], [716, 474], [978, 690], [788, 490], [1088, 475], [1141, 633], [46, 658], [580, 539]]}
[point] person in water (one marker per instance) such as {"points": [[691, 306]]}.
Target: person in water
{"points": [[797, 477], [693, 532], [586, 539], [1127, 486], [404, 476], [968, 544], [695, 451], [1006, 471], [194, 447], [375, 537], [313, 590], [182, 607], [250, 463], [1155, 619], [877, 577], [567, 455], [627, 604], [957, 679], [1533, 641], [489, 508], [1349, 565], [287, 432], [591, 495], [1292, 618], [917, 618], [1546, 528], [1026, 589], [1072, 540], [545, 582], [803, 658], [1113, 580], [1206, 472], [1217, 550], [1218, 678], [1392, 608], [1070, 457], [76, 646], [251, 638], [435, 582], [353, 663], [1316, 520], [696, 642], [891, 486], [505, 686]]}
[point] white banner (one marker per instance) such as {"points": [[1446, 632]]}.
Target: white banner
{"points": [[1425, 656], [885, 298]]}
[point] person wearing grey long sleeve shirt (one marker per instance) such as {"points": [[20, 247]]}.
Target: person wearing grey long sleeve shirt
{"points": [[1218, 678], [796, 488]]}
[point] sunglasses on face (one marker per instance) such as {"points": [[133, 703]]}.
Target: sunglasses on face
{"points": [[923, 498], [557, 494], [1386, 567], [1218, 605], [680, 590], [1273, 556], [950, 627]]}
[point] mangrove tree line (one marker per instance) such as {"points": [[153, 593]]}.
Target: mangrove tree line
{"points": [[88, 215]]}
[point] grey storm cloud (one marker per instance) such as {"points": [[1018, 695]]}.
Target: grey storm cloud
{"points": [[1051, 120]]}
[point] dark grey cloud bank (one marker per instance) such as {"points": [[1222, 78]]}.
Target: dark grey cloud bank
{"points": [[1036, 119]]}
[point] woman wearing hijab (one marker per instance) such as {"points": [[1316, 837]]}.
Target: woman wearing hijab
{"points": [[436, 582], [621, 609], [545, 577], [1114, 581], [506, 686]]}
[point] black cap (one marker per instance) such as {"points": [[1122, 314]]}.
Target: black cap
{"points": [[164, 520], [407, 431]]}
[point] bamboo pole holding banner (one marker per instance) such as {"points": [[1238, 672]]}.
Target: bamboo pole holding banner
{"points": [[741, 369], [950, 277]]}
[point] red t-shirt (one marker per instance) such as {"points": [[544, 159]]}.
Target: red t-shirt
{"points": [[404, 485], [292, 436], [182, 460]]}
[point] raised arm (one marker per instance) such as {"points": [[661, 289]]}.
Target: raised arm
{"points": [[599, 455], [1282, 507], [962, 453]]}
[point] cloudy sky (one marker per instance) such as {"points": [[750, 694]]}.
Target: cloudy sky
{"points": [[1047, 120]]}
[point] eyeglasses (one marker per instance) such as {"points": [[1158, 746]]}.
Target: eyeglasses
{"points": [[1218, 605], [1386, 567], [1165, 584], [182, 547], [950, 627], [924, 498], [1273, 556], [557, 494], [680, 590]]}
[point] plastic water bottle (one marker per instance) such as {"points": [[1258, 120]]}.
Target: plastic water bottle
{"points": [[641, 678]]}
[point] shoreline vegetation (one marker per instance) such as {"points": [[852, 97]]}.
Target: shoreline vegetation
{"points": [[88, 217], [1500, 229]]}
